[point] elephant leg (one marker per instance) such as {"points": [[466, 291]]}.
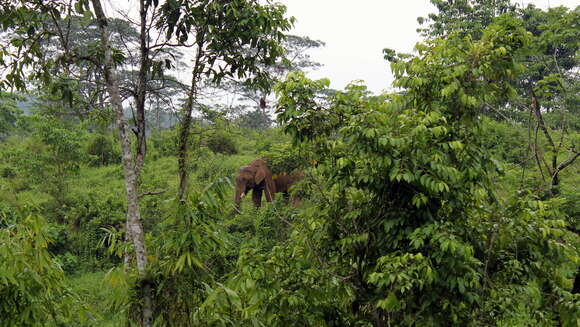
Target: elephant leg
{"points": [[257, 197]]}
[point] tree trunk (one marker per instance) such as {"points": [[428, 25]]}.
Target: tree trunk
{"points": [[554, 162], [182, 150], [186, 125], [141, 91], [158, 116], [134, 226], [263, 107]]}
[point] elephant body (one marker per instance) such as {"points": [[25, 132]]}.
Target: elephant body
{"points": [[256, 177], [284, 181]]}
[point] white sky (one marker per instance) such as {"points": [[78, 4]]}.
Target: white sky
{"points": [[356, 32]]}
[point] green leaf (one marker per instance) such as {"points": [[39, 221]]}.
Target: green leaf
{"points": [[391, 303]]}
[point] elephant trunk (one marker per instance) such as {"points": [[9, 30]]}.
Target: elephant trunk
{"points": [[239, 194]]}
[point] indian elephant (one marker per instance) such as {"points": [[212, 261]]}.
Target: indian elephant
{"points": [[256, 177], [284, 181]]}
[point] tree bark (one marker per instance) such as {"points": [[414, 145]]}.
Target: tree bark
{"points": [[186, 125], [141, 91], [554, 164], [134, 226]]}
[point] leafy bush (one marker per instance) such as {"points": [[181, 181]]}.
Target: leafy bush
{"points": [[186, 255], [163, 143], [32, 287], [221, 143], [209, 167], [408, 216], [262, 229], [86, 215], [285, 158], [50, 157], [9, 113], [505, 141], [102, 150], [254, 119], [98, 295], [59, 235], [68, 262]]}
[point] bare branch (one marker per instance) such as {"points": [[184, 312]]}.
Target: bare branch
{"points": [[564, 164], [151, 193]]}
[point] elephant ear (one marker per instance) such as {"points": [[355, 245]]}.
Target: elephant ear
{"points": [[260, 175]]}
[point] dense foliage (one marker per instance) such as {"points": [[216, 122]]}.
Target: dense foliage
{"points": [[410, 210], [32, 283]]}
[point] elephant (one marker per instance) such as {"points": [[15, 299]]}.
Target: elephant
{"points": [[256, 177], [284, 181]]}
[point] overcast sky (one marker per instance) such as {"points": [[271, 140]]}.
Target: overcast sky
{"points": [[355, 33]]}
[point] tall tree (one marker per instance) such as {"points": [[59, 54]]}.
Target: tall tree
{"points": [[131, 166], [548, 89], [296, 58], [467, 17], [149, 65], [233, 38], [27, 22], [548, 85], [77, 83]]}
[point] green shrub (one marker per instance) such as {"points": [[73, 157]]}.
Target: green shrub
{"points": [[506, 141], [99, 295], [102, 151], [208, 167], [284, 158], [59, 234], [163, 143], [221, 143], [255, 120], [68, 262], [87, 214], [9, 113], [33, 284]]}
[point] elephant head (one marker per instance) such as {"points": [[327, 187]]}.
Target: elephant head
{"points": [[256, 177]]}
